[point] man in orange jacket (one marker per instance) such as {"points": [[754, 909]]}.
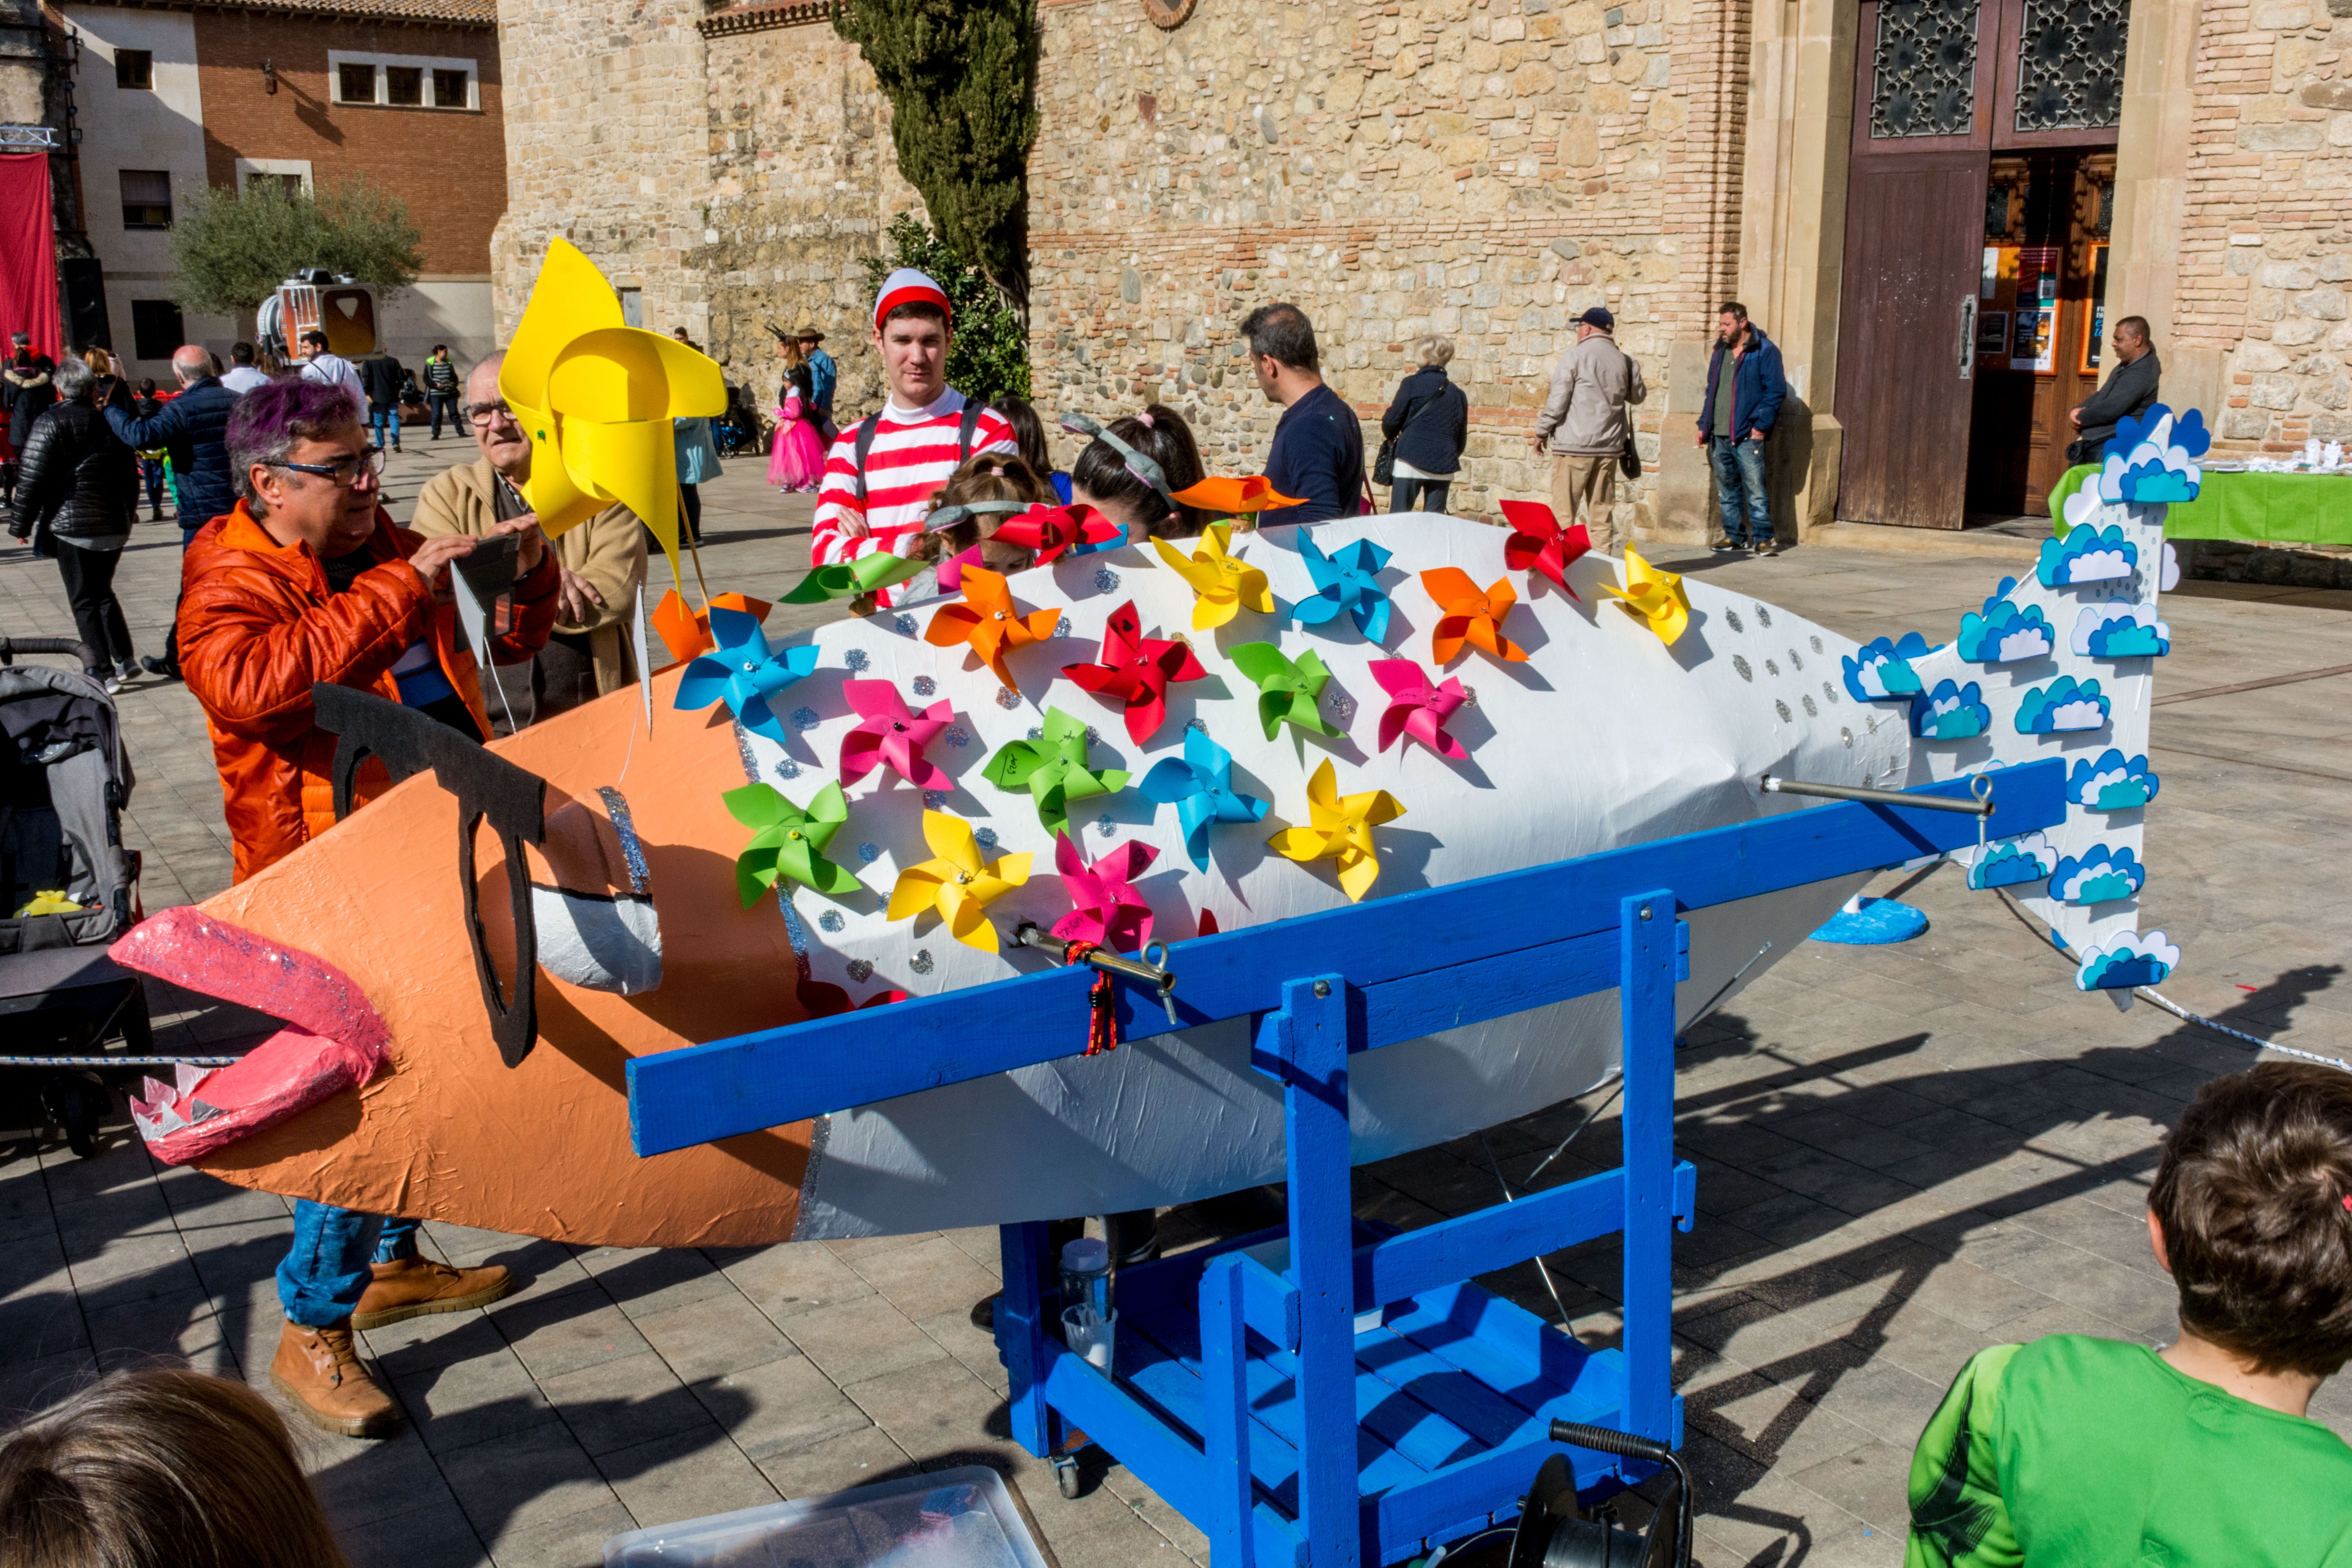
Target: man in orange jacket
{"points": [[306, 580]]}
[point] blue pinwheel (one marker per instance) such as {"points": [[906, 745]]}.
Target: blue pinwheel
{"points": [[1348, 579], [743, 673], [1201, 788]]}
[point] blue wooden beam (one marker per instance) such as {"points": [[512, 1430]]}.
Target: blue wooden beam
{"points": [[773, 1076]]}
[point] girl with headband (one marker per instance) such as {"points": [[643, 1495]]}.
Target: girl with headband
{"points": [[1131, 468]]}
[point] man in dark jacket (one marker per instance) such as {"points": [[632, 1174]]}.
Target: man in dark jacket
{"points": [[191, 424], [1744, 391], [26, 393], [2130, 390], [381, 376], [77, 500], [1429, 420], [1318, 445]]}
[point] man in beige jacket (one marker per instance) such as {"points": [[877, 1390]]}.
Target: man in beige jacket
{"points": [[1584, 425], [602, 561]]}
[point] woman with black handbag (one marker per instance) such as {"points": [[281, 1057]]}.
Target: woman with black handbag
{"points": [[1423, 434], [76, 500]]}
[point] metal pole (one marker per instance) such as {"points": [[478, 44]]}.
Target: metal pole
{"points": [[1979, 807]]}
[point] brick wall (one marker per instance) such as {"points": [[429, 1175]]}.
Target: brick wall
{"points": [[420, 156]]}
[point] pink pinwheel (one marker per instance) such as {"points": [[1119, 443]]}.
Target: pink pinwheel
{"points": [[1108, 911], [1417, 709], [1051, 531], [891, 734], [1537, 542], [950, 571], [1135, 670]]}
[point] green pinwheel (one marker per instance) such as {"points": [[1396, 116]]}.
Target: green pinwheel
{"points": [[1053, 769], [1286, 690], [850, 578], [787, 842]]}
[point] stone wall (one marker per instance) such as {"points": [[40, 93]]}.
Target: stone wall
{"points": [[2267, 249]]}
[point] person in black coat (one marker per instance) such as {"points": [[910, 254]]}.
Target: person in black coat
{"points": [[384, 377], [191, 428], [26, 393], [77, 500], [1429, 420]]}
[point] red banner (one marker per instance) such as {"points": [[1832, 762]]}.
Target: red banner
{"points": [[29, 253]]}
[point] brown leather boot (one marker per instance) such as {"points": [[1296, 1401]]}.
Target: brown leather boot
{"points": [[318, 1369], [414, 1286]]}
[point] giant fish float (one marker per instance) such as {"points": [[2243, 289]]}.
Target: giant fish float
{"points": [[1132, 745]]}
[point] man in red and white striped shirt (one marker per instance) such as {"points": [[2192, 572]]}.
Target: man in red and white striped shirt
{"points": [[882, 470]]}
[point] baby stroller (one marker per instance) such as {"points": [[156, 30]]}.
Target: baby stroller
{"points": [[67, 889]]}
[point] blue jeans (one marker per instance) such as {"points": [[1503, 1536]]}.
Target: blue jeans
{"points": [[377, 418], [444, 402], [326, 1269], [1739, 489], [1420, 495]]}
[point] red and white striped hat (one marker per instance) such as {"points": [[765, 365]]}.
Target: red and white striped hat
{"points": [[908, 287]]}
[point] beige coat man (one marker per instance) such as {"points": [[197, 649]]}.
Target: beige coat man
{"points": [[1584, 425]]}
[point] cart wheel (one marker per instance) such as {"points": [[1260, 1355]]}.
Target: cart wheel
{"points": [[1066, 1477]]}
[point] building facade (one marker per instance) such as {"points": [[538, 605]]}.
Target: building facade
{"points": [[1936, 208], [173, 98]]}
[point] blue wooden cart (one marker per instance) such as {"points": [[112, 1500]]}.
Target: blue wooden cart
{"points": [[1323, 1394]]}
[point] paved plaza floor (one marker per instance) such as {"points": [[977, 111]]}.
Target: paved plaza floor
{"points": [[1904, 1153]]}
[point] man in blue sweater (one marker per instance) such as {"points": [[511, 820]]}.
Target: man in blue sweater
{"points": [[1744, 391], [1319, 445], [191, 426]]}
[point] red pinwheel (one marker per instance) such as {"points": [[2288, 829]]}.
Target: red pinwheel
{"points": [[1538, 543], [1417, 709], [1135, 670], [891, 734], [1051, 531], [1106, 910], [823, 999]]}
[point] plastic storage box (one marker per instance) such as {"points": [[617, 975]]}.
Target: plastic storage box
{"points": [[950, 1519]]}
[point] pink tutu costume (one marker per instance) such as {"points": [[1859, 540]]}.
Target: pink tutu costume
{"points": [[796, 461]]}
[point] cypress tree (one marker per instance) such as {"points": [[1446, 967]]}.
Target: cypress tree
{"points": [[960, 76]]}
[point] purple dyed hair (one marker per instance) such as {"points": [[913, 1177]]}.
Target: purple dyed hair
{"points": [[268, 420]]}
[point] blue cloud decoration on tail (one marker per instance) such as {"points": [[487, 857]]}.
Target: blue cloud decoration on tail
{"points": [[2112, 783], [2005, 632], [1882, 668]]}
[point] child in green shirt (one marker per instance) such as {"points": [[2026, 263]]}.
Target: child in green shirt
{"points": [[2087, 1452]]}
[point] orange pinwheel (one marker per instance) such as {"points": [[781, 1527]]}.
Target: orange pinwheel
{"points": [[686, 632], [987, 620], [1236, 498], [1466, 614]]}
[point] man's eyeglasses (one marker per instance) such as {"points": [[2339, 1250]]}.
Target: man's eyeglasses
{"points": [[480, 414], [343, 471]]}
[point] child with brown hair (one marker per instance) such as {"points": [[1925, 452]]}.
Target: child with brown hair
{"points": [[161, 1467], [2076, 1450], [1132, 467], [965, 511]]}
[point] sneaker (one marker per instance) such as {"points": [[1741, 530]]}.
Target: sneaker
{"points": [[128, 670], [1766, 551], [113, 684], [1724, 547], [162, 667]]}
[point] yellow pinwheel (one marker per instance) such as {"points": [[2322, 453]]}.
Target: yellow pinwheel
{"points": [[1221, 585], [596, 397], [958, 884], [1654, 596], [1340, 828]]}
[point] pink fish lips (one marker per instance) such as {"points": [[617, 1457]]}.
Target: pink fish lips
{"points": [[333, 1039]]}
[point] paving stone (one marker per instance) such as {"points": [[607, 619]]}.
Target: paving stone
{"points": [[779, 1407], [531, 1480], [857, 1340], [714, 1336], [621, 1403], [855, 1458], [440, 1535], [931, 1277], [687, 1474]]}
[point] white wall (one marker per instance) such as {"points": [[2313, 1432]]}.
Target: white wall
{"points": [[130, 128], [439, 310]]}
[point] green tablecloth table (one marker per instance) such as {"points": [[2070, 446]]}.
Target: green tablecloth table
{"points": [[2259, 509]]}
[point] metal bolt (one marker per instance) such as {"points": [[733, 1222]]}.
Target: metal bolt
{"points": [[1645, 911], [1322, 988]]}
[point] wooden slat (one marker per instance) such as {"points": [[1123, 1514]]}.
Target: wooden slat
{"points": [[1490, 1239], [774, 1077]]}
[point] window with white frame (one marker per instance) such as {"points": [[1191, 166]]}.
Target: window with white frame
{"points": [[404, 81]]}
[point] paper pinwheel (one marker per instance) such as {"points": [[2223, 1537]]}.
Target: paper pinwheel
{"points": [[686, 632], [958, 884], [849, 579], [1468, 615], [1654, 596], [987, 620], [1236, 498], [889, 734], [743, 673], [1347, 580], [1105, 909], [1416, 708], [1285, 691], [1201, 788], [1538, 544], [1221, 585], [1052, 530], [1340, 830], [596, 397], [1136, 671], [1053, 769], [788, 842]]}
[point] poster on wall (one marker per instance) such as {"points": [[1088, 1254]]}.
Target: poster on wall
{"points": [[1992, 335], [2095, 339]]}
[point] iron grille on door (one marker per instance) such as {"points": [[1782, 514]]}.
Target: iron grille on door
{"points": [[2070, 65], [1924, 84]]}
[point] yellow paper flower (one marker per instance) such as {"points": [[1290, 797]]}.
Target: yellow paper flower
{"points": [[1221, 585], [1340, 830], [958, 884], [1655, 596], [596, 396]]}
